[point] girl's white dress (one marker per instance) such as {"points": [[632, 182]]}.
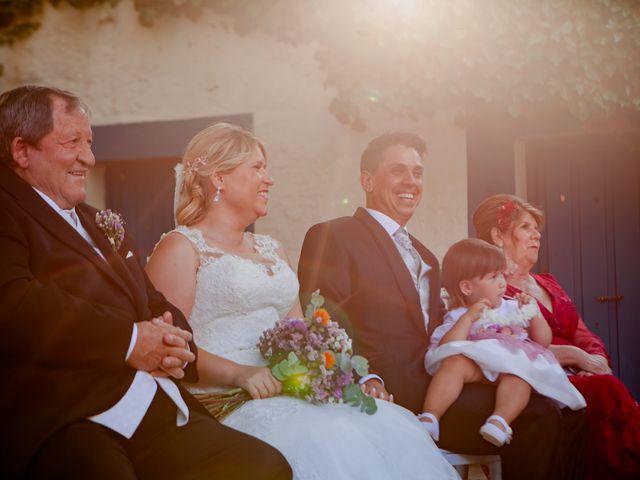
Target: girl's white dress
{"points": [[236, 299], [498, 343]]}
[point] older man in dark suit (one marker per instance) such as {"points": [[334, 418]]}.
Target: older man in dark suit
{"points": [[383, 285], [88, 351]]}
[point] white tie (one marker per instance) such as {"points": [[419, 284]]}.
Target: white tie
{"points": [[71, 217]]}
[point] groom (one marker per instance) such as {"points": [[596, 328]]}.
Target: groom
{"points": [[383, 286], [88, 352]]}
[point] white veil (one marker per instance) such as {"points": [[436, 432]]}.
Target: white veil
{"points": [[179, 171]]}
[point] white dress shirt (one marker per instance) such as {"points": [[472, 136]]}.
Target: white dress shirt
{"points": [[127, 414]]}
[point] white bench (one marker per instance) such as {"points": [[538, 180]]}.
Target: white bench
{"points": [[461, 462]]}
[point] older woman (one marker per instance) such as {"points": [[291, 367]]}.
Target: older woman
{"points": [[613, 416]]}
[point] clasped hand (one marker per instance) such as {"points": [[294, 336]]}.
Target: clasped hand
{"points": [[593, 365], [161, 348]]}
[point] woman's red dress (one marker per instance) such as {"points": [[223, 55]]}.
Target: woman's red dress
{"points": [[613, 416]]}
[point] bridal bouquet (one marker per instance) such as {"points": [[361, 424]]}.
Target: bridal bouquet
{"points": [[313, 358]]}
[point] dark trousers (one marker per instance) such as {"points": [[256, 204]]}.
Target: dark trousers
{"points": [[548, 443], [202, 449]]}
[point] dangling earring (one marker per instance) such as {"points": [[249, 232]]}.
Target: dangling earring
{"points": [[216, 199]]}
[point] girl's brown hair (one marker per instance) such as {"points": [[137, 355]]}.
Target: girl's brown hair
{"points": [[468, 259]]}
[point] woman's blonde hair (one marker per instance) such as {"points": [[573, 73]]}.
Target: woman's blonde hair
{"points": [[219, 148], [502, 211]]}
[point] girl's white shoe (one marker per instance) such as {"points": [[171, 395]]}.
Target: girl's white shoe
{"points": [[493, 434], [432, 427]]}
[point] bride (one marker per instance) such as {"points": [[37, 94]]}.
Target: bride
{"points": [[233, 285]]}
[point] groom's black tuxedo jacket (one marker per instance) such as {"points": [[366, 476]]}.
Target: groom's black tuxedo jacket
{"points": [[67, 319], [358, 269]]}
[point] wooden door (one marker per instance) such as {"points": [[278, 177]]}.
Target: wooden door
{"points": [[589, 189], [142, 191]]}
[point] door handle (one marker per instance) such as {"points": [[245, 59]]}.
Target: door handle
{"points": [[610, 298]]}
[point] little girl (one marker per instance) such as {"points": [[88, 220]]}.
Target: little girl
{"points": [[485, 338]]}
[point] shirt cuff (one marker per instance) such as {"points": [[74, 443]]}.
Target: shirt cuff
{"points": [[371, 376], [132, 343]]}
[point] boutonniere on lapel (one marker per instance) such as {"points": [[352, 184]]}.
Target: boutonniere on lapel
{"points": [[112, 225]]}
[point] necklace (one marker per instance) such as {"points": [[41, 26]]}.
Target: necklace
{"points": [[528, 285]]}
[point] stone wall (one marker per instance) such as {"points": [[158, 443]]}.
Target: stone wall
{"points": [[182, 69]]}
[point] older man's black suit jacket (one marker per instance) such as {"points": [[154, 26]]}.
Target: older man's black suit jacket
{"points": [[66, 321]]}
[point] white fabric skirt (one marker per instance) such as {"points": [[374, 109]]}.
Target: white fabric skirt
{"points": [[545, 377], [335, 442]]}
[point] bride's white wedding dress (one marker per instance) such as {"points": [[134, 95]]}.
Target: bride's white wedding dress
{"points": [[236, 299]]}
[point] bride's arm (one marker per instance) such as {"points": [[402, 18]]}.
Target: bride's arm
{"points": [[216, 371], [172, 269]]}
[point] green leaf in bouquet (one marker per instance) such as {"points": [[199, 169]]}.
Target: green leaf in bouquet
{"points": [[360, 365], [293, 376], [288, 367], [344, 362], [369, 405], [309, 312], [317, 300], [297, 385], [353, 396]]}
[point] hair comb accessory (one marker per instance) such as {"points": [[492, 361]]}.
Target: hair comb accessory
{"points": [[504, 215], [193, 165]]}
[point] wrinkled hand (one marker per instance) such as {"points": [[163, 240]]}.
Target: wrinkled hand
{"points": [[593, 365], [259, 382], [171, 366], [161, 348], [374, 388]]}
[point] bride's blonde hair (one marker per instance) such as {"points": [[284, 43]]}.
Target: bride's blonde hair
{"points": [[219, 148]]}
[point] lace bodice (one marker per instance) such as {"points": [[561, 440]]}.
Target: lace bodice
{"points": [[238, 297]]}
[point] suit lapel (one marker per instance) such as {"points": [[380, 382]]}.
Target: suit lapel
{"points": [[113, 258], [394, 260], [434, 284]]}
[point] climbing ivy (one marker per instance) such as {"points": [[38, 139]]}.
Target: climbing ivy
{"points": [[414, 57]]}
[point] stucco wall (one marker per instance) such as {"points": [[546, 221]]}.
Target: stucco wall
{"points": [[181, 69]]}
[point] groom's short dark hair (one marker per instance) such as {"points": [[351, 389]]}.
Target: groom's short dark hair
{"points": [[372, 154]]}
